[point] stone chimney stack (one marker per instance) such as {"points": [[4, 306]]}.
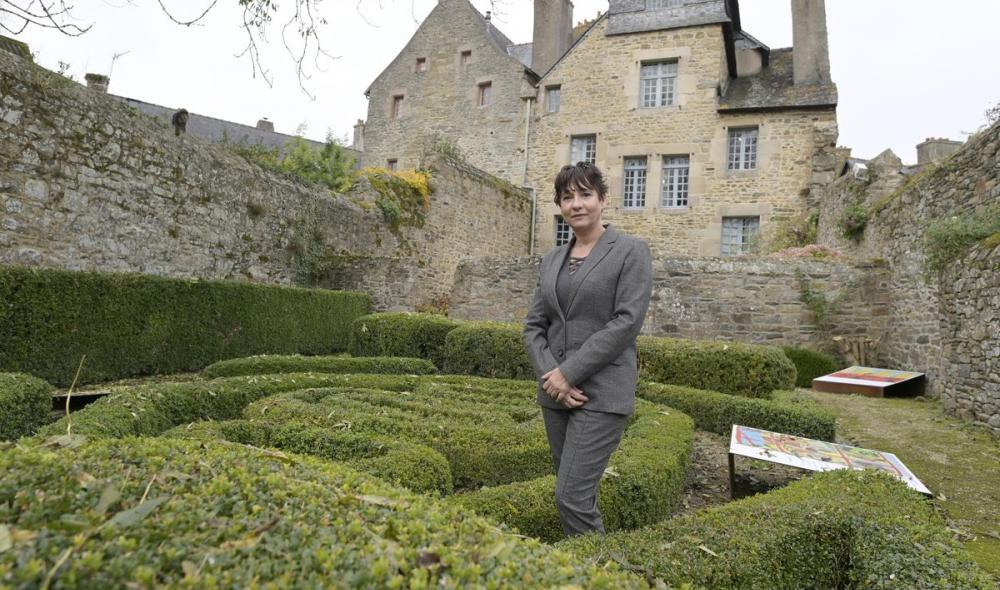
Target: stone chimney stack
{"points": [[265, 125], [935, 148], [553, 33], [810, 52], [97, 82], [359, 136]]}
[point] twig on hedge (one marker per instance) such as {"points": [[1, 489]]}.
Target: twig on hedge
{"points": [[69, 395], [146, 493]]}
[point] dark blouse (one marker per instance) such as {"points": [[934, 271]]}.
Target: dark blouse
{"points": [[563, 281]]}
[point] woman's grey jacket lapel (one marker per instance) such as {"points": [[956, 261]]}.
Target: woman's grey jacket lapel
{"points": [[601, 249]]}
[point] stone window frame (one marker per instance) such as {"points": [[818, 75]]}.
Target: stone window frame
{"points": [[573, 157], [746, 226], [550, 90], [421, 65], [685, 83], [396, 106], [663, 78], [670, 164], [392, 164], [634, 176], [485, 93], [562, 233], [464, 57], [740, 163]]}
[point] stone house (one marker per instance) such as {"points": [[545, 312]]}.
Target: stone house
{"points": [[706, 135]]}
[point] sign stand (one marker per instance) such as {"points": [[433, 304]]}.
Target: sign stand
{"points": [[872, 382]]}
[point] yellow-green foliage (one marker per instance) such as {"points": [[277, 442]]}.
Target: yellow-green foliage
{"points": [[25, 403], [842, 529], [948, 239], [329, 165], [153, 512], [403, 196]]}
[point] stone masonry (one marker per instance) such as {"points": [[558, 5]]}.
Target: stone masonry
{"points": [[88, 183]]}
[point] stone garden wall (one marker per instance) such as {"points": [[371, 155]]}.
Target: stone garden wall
{"points": [[939, 323], [88, 183], [769, 301]]}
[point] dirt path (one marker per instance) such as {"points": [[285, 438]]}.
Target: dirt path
{"points": [[959, 462]]}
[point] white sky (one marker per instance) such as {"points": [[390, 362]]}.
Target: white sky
{"points": [[906, 69]]}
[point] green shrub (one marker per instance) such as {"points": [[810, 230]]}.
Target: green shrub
{"points": [[221, 515], [130, 324], [717, 412], [419, 468], [949, 238], [273, 363], [473, 435], [736, 368], [417, 335], [809, 364], [25, 403], [841, 529], [148, 410], [487, 349], [642, 485]]}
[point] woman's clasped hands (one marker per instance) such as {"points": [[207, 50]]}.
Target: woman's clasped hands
{"points": [[559, 389]]}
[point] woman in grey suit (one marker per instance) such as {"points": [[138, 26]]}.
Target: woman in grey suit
{"points": [[580, 332]]}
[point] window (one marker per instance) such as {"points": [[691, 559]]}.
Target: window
{"points": [[583, 148], [485, 94], [552, 96], [657, 4], [562, 231], [466, 58], [674, 191], [737, 232], [657, 83], [391, 164], [397, 106], [743, 149], [421, 64], [634, 192]]}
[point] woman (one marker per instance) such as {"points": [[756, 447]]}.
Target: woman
{"points": [[580, 332]]}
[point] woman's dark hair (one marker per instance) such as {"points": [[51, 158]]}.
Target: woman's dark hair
{"points": [[582, 175]]}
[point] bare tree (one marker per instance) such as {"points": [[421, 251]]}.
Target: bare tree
{"points": [[993, 114]]}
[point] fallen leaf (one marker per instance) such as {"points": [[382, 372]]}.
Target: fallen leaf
{"points": [[69, 441], [382, 501], [135, 514], [109, 496], [6, 540], [428, 559], [707, 550]]}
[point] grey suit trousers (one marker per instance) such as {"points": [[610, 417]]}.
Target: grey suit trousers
{"points": [[581, 442]]}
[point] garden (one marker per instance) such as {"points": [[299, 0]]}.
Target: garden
{"points": [[271, 437]]}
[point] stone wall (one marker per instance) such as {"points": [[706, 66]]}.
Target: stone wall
{"points": [[605, 103], [88, 183], [746, 299], [443, 101], [925, 313]]}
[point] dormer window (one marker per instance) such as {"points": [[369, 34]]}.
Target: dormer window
{"points": [[658, 4]]}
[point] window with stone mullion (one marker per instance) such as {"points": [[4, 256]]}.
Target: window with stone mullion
{"points": [[737, 233], [583, 148], [634, 190], [743, 149], [562, 231], [658, 83], [676, 171]]}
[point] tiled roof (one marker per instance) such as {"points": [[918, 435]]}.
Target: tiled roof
{"points": [[774, 88]]}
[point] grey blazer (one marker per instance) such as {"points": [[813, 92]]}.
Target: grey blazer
{"points": [[593, 340]]}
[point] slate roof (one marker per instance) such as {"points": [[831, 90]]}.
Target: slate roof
{"points": [[522, 53], [774, 88]]}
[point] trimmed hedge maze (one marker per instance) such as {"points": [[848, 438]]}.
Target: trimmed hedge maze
{"points": [[154, 512], [131, 324], [841, 529], [25, 403], [276, 363]]}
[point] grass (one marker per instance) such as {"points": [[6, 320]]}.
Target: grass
{"points": [[955, 460]]}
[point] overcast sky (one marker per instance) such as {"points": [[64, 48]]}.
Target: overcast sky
{"points": [[906, 69]]}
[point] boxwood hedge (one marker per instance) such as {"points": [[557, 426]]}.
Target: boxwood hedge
{"points": [[153, 512], [750, 370], [418, 335], [275, 363], [25, 404], [130, 324], [842, 529], [488, 349], [642, 484], [414, 466], [717, 412], [809, 364]]}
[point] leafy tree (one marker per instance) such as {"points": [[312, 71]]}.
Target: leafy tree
{"points": [[329, 165]]}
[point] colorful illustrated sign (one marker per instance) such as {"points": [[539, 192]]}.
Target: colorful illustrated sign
{"points": [[869, 376], [816, 455]]}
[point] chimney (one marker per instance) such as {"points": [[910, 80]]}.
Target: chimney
{"points": [[553, 33], [265, 125], [97, 82], [936, 148], [359, 136], [810, 52]]}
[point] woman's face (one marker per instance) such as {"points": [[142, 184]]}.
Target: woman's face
{"points": [[581, 207]]}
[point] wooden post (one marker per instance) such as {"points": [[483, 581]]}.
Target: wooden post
{"points": [[732, 476]]}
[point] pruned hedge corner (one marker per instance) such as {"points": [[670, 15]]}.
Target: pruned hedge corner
{"points": [[25, 403]]}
